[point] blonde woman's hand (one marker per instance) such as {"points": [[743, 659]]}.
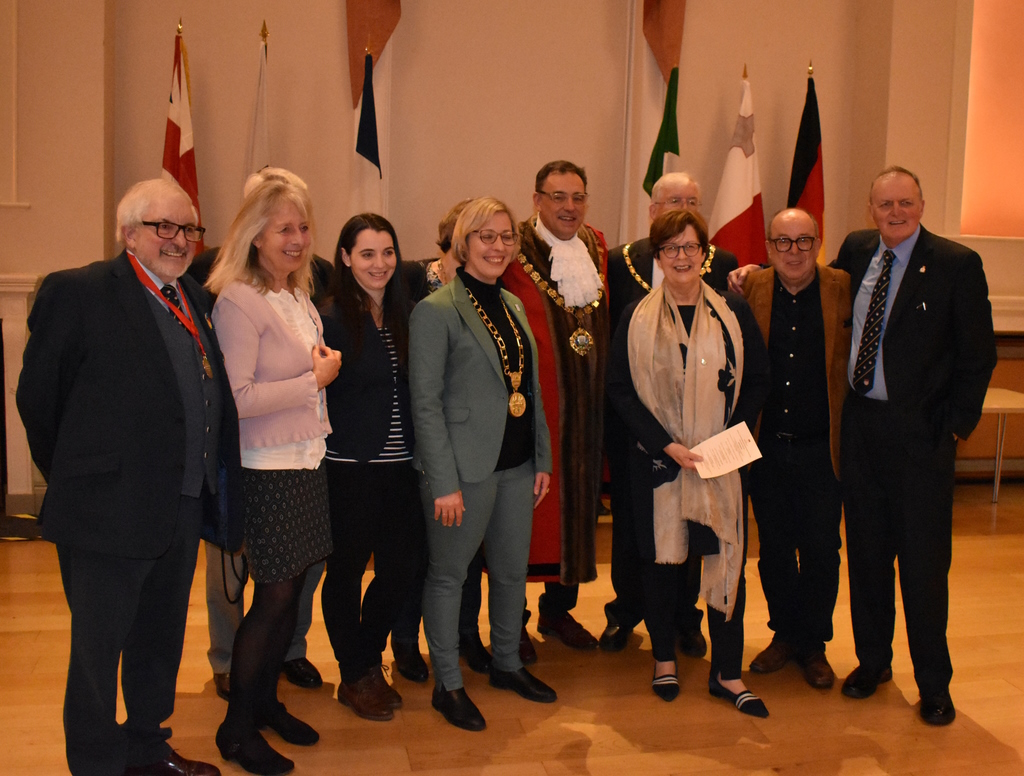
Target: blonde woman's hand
{"points": [[449, 509], [326, 364], [682, 456]]}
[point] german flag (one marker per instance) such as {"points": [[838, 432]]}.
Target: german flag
{"points": [[807, 181]]}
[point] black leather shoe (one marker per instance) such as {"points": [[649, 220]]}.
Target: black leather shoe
{"points": [[938, 709], [174, 765], [302, 673], [409, 662], [222, 683], [524, 683], [862, 683], [693, 644], [291, 729], [473, 651], [614, 636], [457, 708], [254, 754]]}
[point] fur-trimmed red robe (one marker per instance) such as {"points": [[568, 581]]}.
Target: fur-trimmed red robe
{"points": [[562, 547]]}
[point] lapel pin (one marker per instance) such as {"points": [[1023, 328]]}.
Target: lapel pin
{"points": [[922, 269]]}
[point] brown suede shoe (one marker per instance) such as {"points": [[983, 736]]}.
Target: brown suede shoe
{"points": [[571, 633], [817, 671], [388, 694], [772, 658], [364, 698]]}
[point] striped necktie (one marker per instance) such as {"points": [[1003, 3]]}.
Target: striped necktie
{"points": [[871, 336]]}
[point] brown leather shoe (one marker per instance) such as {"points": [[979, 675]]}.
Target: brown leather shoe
{"points": [[174, 765], [527, 652], [222, 684], [568, 630], [364, 698], [817, 671], [772, 658], [388, 694]]}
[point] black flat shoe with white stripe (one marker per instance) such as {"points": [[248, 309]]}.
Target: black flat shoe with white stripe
{"points": [[666, 686], [746, 701]]}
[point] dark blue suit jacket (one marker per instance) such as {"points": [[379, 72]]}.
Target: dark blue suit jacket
{"points": [[105, 420], [939, 343]]}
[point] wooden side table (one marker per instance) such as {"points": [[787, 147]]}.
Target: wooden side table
{"points": [[1001, 402]]}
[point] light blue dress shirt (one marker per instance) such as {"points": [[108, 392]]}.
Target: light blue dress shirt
{"points": [[863, 299]]}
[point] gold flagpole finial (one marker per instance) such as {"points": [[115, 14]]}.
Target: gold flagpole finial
{"points": [[263, 33], [810, 67], [179, 25], [744, 71]]}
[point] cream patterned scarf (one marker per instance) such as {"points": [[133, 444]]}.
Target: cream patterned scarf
{"points": [[689, 402]]}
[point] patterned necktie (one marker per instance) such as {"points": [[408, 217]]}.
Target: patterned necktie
{"points": [[871, 336], [171, 295]]}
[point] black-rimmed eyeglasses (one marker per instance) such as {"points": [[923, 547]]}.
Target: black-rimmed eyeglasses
{"points": [[671, 250], [166, 230], [488, 236], [783, 244]]}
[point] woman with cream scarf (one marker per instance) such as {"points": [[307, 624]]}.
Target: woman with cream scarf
{"points": [[688, 364]]}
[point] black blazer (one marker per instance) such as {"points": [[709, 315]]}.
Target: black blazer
{"points": [[939, 343], [623, 288], [105, 420], [359, 399]]}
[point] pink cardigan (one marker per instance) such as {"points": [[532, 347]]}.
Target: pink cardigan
{"points": [[270, 371]]}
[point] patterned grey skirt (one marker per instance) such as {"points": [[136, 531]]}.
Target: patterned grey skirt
{"points": [[287, 521]]}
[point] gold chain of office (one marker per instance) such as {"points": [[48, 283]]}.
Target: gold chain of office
{"points": [[516, 401], [581, 340], [647, 286]]}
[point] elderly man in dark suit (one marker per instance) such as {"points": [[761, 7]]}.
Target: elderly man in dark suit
{"points": [[131, 421], [632, 273], [922, 354], [803, 311]]}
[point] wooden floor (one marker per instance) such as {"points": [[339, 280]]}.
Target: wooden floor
{"points": [[606, 720]]}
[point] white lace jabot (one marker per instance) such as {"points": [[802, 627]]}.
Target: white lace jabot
{"points": [[572, 269]]}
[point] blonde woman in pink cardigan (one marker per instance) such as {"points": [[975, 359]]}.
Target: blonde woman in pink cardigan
{"points": [[278, 366]]}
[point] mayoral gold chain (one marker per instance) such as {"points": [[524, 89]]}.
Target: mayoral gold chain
{"points": [[516, 400], [647, 286], [581, 340]]}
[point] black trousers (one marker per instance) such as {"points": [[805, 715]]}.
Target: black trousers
{"points": [[661, 586], [898, 492], [798, 508], [375, 509], [627, 577], [130, 611]]}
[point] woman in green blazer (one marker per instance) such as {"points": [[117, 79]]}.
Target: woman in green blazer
{"points": [[483, 450]]}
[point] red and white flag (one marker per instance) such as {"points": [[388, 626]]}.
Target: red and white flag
{"points": [[737, 221], [179, 155]]}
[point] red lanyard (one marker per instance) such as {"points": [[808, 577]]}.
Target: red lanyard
{"points": [[185, 318]]}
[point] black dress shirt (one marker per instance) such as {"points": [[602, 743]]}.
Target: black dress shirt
{"points": [[797, 405]]}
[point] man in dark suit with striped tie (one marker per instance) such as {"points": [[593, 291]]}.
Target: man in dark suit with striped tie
{"points": [[922, 354]]}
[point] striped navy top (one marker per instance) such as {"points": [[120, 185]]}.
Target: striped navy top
{"points": [[396, 448]]}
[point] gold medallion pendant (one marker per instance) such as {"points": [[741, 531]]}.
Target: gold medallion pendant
{"points": [[206, 367], [581, 341], [516, 401], [516, 404]]}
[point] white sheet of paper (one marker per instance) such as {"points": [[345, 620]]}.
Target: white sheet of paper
{"points": [[726, 452]]}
